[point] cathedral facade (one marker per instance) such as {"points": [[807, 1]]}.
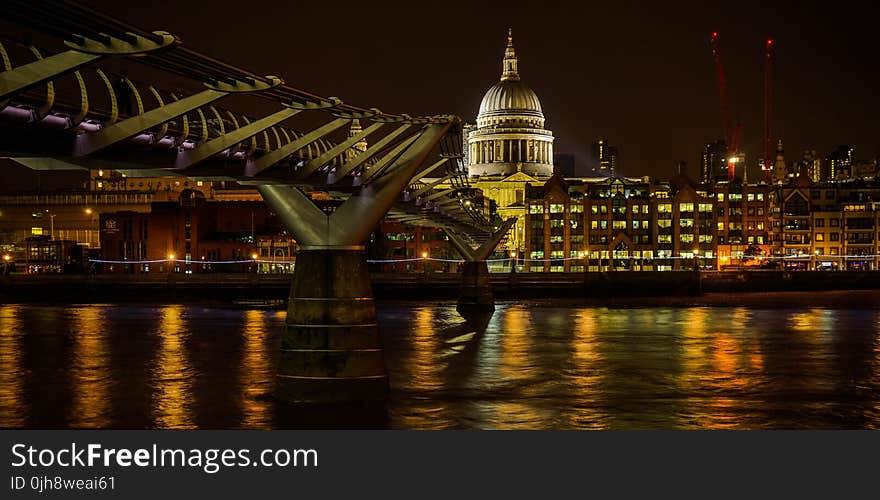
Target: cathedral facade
{"points": [[509, 135], [509, 148]]}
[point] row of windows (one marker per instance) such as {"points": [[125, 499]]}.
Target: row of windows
{"points": [[555, 208]]}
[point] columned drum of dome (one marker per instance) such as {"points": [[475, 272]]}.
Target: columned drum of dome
{"points": [[510, 134]]}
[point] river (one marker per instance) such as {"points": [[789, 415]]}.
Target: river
{"points": [[806, 361]]}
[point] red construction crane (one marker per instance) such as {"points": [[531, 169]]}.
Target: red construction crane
{"points": [[731, 137], [768, 98]]}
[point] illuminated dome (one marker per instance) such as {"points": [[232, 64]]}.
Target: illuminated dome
{"points": [[509, 135], [510, 97]]}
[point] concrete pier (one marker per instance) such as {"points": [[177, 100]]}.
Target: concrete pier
{"points": [[331, 349]]}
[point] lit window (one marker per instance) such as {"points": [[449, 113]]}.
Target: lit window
{"points": [[685, 207], [664, 208], [557, 208]]}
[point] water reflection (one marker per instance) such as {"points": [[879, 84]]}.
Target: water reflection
{"points": [[536, 365], [13, 404], [586, 374], [172, 372], [90, 377], [256, 373]]}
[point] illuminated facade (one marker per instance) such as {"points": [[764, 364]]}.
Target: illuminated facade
{"points": [[638, 225], [509, 147], [509, 136]]}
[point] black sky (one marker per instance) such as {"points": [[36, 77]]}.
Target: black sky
{"points": [[638, 73]]}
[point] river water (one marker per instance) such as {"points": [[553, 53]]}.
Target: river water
{"points": [[781, 361]]}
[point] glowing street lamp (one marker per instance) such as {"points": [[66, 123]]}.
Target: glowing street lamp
{"points": [[171, 256], [88, 211]]}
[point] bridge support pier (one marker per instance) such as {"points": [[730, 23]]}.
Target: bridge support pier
{"points": [[331, 349], [475, 291]]}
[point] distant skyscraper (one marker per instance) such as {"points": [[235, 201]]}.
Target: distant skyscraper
{"points": [[603, 158], [811, 164], [838, 164], [713, 164]]}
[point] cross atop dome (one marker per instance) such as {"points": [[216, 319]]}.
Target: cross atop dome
{"points": [[510, 72]]}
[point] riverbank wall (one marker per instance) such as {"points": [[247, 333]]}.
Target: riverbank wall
{"points": [[441, 286]]}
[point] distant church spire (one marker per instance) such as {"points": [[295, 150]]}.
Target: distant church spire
{"points": [[510, 62]]}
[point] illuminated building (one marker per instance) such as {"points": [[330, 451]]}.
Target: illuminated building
{"points": [[198, 233], [509, 147], [828, 226], [510, 135], [838, 163], [638, 225]]}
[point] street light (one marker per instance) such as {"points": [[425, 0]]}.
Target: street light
{"points": [[6, 259]]}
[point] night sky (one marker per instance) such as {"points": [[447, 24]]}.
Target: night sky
{"points": [[640, 74]]}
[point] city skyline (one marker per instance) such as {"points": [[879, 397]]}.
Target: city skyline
{"points": [[645, 83]]}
